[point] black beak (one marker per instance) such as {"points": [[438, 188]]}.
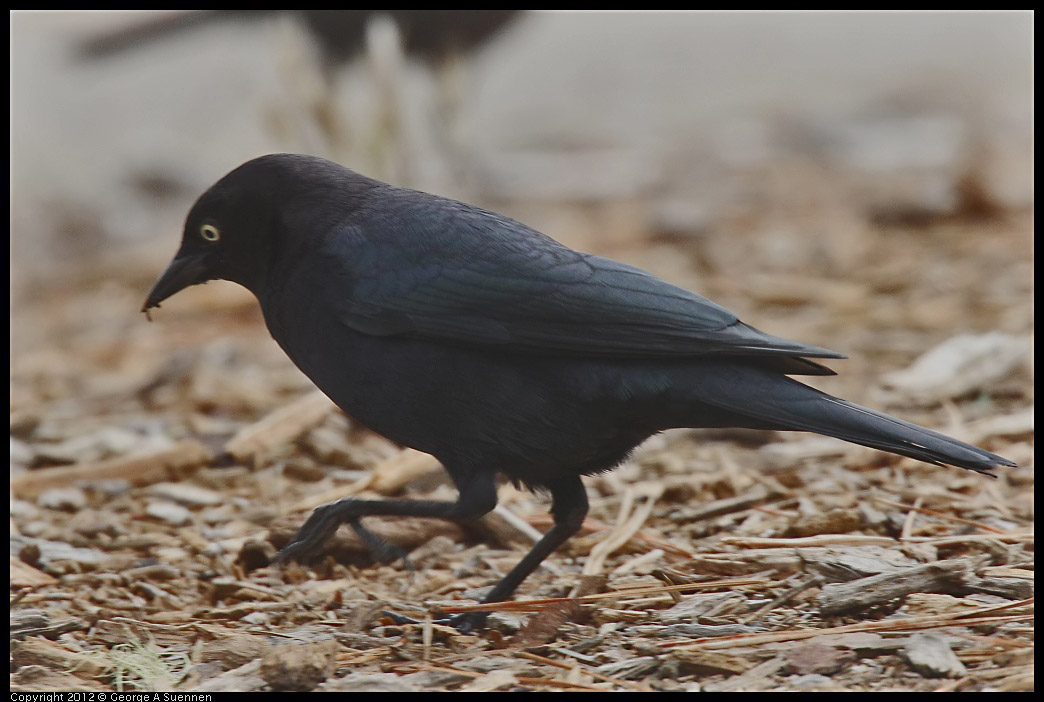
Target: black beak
{"points": [[183, 271]]}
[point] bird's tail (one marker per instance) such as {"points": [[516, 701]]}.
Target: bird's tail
{"points": [[778, 402]]}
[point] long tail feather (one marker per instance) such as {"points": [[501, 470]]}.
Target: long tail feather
{"points": [[786, 404]]}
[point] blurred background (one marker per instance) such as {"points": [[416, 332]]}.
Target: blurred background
{"points": [[858, 181], [678, 120]]}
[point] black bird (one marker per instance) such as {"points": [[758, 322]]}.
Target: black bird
{"points": [[467, 335]]}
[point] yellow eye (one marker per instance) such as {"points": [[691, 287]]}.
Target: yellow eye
{"points": [[209, 232]]}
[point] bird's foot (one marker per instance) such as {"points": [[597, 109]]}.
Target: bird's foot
{"points": [[465, 622], [308, 542], [295, 551]]}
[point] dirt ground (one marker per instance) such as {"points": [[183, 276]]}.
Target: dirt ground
{"points": [[156, 469]]}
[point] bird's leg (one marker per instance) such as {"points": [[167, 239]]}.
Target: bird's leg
{"points": [[568, 508], [478, 495]]}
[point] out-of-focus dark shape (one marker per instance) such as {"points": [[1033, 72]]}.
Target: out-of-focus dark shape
{"points": [[428, 35]]}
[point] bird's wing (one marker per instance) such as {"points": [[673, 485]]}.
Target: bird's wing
{"points": [[465, 275]]}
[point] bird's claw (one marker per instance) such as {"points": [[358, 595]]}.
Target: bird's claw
{"points": [[293, 551], [464, 622], [308, 542]]}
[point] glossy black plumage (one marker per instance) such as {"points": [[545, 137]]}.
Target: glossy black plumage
{"points": [[467, 335]]}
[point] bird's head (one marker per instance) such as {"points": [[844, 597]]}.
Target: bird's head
{"points": [[248, 220]]}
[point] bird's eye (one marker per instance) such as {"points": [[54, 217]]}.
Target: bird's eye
{"points": [[209, 232]]}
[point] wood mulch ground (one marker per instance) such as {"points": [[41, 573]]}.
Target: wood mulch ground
{"points": [[156, 468]]}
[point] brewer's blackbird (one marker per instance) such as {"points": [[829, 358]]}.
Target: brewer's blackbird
{"points": [[469, 336]]}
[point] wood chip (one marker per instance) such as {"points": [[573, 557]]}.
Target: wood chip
{"points": [[545, 625], [960, 365], [369, 682], [233, 651], [173, 463], [864, 593], [279, 427], [387, 478], [53, 656], [245, 678], [22, 574]]}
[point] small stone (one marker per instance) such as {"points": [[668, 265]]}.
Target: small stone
{"points": [[298, 667], [931, 656], [374, 682], [169, 512], [22, 509], [186, 494], [66, 498], [21, 453], [816, 659]]}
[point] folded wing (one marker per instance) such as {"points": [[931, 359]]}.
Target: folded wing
{"points": [[464, 275]]}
